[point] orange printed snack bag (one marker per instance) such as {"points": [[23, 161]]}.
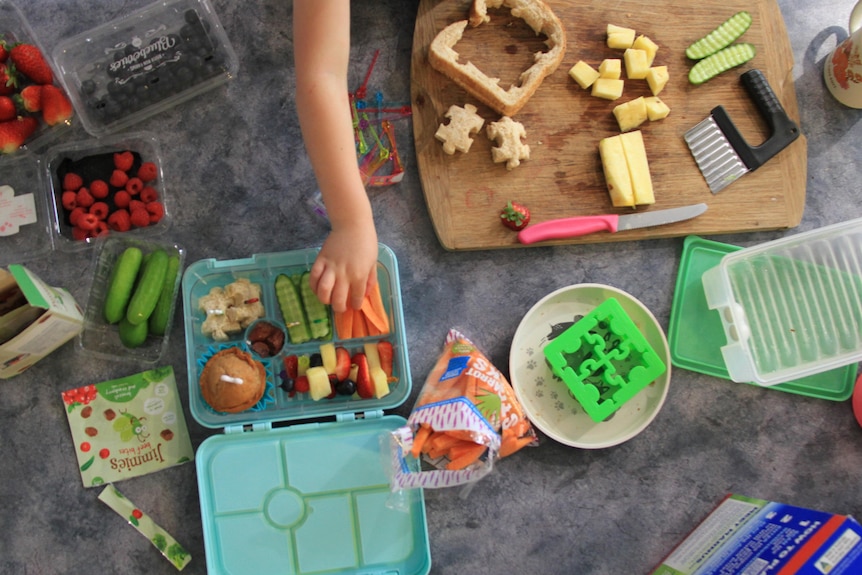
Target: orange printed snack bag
{"points": [[466, 417]]}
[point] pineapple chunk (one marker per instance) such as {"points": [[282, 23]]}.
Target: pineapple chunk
{"points": [[610, 68], [656, 108], [616, 172], [318, 383], [631, 114], [657, 77], [619, 37], [648, 46], [636, 64], [607, 88], [327, 354], [583, 74], [636, 159], [372, 355], [381, 382]]}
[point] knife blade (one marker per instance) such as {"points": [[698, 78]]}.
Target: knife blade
{"points": [[583, 225]]}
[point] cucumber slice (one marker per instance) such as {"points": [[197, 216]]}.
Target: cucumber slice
{"points": [[720, 38], [316, 312], [291, 310], [722, 61]]}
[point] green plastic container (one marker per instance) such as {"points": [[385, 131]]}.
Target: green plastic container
{"points": [[696, 334], [604, 360]]}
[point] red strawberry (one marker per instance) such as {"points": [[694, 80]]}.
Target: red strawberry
{"points": [[364, 385], [384, 350], [31, 98], [124, 160], [56, 107], [342, 363], [291, 366], [301, 384], [8, 111], [8, 80], [29, 61], [14, 133], [4, 51], [515, 216]]}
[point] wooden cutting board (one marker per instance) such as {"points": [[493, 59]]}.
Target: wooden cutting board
{"points": [[466, 192]]}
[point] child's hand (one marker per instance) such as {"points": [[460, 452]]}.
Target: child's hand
{"points": [[346, 267]]}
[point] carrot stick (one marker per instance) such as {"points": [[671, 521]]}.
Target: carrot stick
{"points": [[420, 438], [360, 329], [462, 447], [374, 310], [443, 440], [512, 444], [466, 458], [344, 324]]}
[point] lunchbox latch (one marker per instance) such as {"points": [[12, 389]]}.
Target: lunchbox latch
{"points": [[260, 426], [374, 414]]}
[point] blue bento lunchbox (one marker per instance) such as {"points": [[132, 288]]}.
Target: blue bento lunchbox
{"points": [[283, 496]]}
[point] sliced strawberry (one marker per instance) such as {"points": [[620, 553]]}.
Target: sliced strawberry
{"points": [[364, 384], [342, 363], [387, 355], [291, 366]]}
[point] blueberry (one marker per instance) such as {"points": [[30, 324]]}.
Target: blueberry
{"points": [[316, 360], [345, 387], [88, 87]]}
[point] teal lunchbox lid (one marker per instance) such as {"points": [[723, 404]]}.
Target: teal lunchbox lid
{"points": [[306, 497]]}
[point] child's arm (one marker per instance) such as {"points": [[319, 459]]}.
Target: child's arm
{"points": [[346, 264]]}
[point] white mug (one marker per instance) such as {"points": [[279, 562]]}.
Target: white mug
{"points": [[843, 68]]}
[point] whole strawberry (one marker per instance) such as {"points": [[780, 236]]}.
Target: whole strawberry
{"points": [[515, 216], [56, 107], [15, 132], [8, 80], [8, 111], [30, 98], [29, 61]]}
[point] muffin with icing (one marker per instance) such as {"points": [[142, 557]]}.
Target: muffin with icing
{"points": [[232, 381]]}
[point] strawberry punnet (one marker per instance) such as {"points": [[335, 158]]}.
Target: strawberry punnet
{"points": [[29, 61]]}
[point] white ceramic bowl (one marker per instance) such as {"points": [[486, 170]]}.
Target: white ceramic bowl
{"points": [[546, 400]]}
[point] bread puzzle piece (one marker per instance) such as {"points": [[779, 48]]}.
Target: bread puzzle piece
{"points": [[508, 133], [229, 310], [462, 123], [505, 101]]}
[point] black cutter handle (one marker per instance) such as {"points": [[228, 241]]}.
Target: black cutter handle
{"points": [[783, 130]]}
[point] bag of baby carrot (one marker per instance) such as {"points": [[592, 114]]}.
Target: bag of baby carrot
{"points": [[465, 417]]}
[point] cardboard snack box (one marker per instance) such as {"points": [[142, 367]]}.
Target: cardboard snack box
{"points": [[35, 319]]}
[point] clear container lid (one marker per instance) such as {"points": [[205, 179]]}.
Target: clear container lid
{"points": [[144, 63], [25, 222], [791, 307]]}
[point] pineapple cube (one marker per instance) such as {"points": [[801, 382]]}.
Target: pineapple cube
{"points": [[656, 108], [616, 172], [381, 382], [631, 114], [607, 88], [648, 46], [636, 64], [636, 159], [583, 74], [327, 354], [318, 383], [372, 355], [657, 77], [619, 37], [610, 68]]}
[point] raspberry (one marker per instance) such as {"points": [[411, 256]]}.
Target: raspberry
{"points": [[69, 200], [156, 210], [85, 198], [134, 186], [124, 160], [101, 229], [149, 194], [119, 179], [122, 199], [79, 234], [136, 205], [99, 189], [140, 218], [119, 221], [87, 222], [75, 214], [72, 182], [148, 172], [100, 210]]}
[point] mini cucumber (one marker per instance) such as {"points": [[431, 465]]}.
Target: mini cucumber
{"points": [[292, 311], [149, 288], [316, 312], [722, 61], [121, 284], [723, 36], [159, 318], [132, 336]]}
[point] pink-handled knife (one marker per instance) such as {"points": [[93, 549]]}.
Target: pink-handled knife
{"points": [[582, 225]]}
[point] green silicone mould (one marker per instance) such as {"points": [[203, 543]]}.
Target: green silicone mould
{"points": [[604, 360]]}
